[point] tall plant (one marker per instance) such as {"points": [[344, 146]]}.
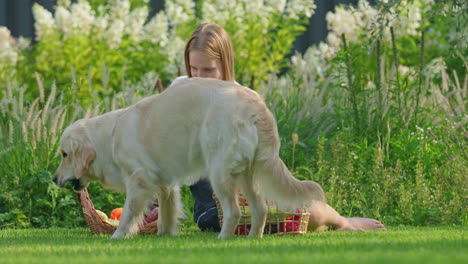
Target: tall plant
{"points": [[397, 112], [80, 38], [29, 154]]}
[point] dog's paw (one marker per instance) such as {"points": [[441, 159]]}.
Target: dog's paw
{"points": [[168, 232], [117, 235], [120, 234], [255, 234], [224, 235]]}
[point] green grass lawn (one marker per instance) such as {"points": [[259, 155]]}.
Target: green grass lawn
{"points": [[398, 245]]}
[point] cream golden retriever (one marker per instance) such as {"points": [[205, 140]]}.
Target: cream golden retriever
{"points": [[197, 128]]}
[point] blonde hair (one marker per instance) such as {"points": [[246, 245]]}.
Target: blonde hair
{"points": [[214, 41]]}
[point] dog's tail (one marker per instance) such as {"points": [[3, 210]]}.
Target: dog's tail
{"points": [[271, 175], [277, 183]]}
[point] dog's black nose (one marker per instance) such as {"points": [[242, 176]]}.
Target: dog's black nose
{"points": [[54, 179]]}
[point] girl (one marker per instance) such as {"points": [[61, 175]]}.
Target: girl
{"points": [[209, 54]]}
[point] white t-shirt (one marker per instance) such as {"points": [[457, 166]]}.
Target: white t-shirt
{"points": [[185, 77]]}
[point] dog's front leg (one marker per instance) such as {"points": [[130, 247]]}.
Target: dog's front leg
{"points": [[169, 210], [138, 196]]}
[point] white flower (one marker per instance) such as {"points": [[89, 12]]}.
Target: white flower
{"points": [[156, 30], [180, 11], [114, 34], [436, 67], [176, 13], [185, 4], [254, 5], [299, 63], [118, 9], [82, 17], [226, 4], [100, 25], [347, 22], [63, 20], [353, 23], [212, 14], [174, 53], [409, 19], [5, 36], [23, 43], [333, 40], [313, 61], [403, 70], [134, 23], [75, 21], [177, 46], [327, 51], [370, 85], [8, 50], [368, 14], [63, 3], [298, 8], [44, 21], [277, 5]]}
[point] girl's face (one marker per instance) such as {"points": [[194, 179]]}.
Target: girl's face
{"points": [[203, 66]]}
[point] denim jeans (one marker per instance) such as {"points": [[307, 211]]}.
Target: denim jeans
{"points": [[205, 212]]}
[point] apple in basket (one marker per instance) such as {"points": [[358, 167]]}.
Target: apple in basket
{"points": [[116, 213], [242, 230], [290, 226], [105, 218]]}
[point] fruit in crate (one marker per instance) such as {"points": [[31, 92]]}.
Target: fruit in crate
{"points": [[243, 230], [116, 213], [113, 222], [102, 215], [105, 218], [289, 226], [152, 216]]}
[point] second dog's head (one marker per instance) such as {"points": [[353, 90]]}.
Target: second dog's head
{"points": [[77, 153]]}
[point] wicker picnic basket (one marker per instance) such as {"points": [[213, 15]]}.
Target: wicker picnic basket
{"points": [[279, 221], [97, 225]]}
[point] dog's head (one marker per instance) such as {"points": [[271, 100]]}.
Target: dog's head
{"points": [[77, 153]]}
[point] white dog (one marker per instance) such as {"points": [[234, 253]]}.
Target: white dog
{"points": [[196, 128]]}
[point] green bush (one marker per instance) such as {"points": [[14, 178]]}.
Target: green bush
{"points": [[29, 138], [381, 122]]}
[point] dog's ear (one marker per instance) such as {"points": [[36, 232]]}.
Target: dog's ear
{"points": [[83, 156]]}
